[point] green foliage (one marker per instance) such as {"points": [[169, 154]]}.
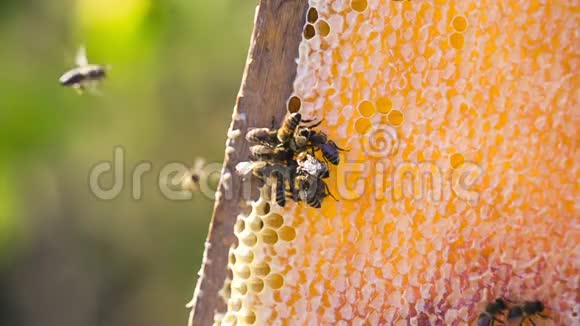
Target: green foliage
{"points": [[176, 67]]}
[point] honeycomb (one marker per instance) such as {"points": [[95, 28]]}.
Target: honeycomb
{"points": [[460, 183]]}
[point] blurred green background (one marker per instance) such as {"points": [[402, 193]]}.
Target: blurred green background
{"points": [[67, 257]]}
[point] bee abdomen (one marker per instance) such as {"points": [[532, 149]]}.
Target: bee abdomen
{"points": [[71, 77], [280, 191], [289, 126], [97, 73], [314, 202], [330, 153], [262, 135], [484, 319]]}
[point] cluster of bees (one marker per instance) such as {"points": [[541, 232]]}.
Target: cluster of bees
{"points": [[287, 155], [523, 311]]}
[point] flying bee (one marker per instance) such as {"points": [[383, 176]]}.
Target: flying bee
{"points": [[270, 154], [289, 125], [263, 136], [328, 147], [527, 311], [492, 310], [311, 165], [84, 75], [190, 180]]}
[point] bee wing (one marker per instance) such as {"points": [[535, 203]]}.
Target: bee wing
{"points": [[81, 57], [312, 165], [244, 168], [199, 163]]}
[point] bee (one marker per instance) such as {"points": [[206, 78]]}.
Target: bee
{"points": [[263, 136], [190, 180], [264, 170], [527, 311], [289, 125], [312, 189], [302, 137], [492, 310], [280, 188], [311, 165], [328, 147], [269, 154], [84, 74]]}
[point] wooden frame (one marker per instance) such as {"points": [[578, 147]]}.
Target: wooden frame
{"points": [[266, 86]]}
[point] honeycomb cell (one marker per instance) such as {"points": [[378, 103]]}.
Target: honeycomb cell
{"points": [[362, 125], [234, 304], [309, 31], [323, 28], [227, 290], [384, 104], [263, 208], [359, 5], [257, 224], [294, 104], [243, 272], [246, 256], [275, 281], [274, 220], [229, 319], [456, 160], [247, 317], [261, 269], [256, 285], [240, 288], [269, 236], [250, 239], [287, 233], [312, 15], [232, 257], [459, 23], [456, 40], [366, 108], [240, 226], [395, 117]]}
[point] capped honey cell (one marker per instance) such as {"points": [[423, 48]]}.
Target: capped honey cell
{"points": [[309, 31], [294, 104], [358, 5], [323, 28], [312, 15]]}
